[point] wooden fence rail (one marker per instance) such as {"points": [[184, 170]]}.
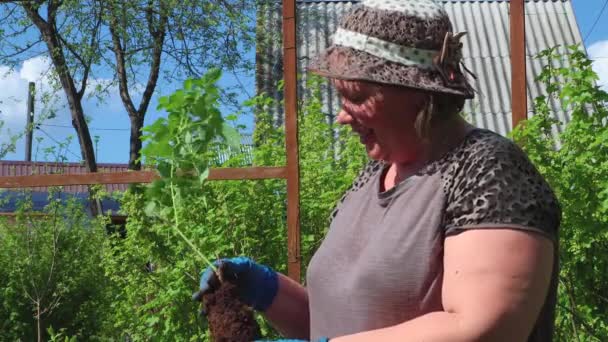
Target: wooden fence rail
{"points": [[128, 177]]}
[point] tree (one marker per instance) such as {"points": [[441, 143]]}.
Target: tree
{"points": [[156, 26], [72, 44], [138, 42], [578, 173], [188, 36]]}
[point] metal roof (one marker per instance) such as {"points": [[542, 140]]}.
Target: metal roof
{"points": [[486, 50], [37, 201]]}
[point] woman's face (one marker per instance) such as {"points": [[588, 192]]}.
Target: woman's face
{"points": [[383, 117]]}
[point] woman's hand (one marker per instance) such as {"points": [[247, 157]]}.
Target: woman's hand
{"points": [[257, 284], [283, 301]]}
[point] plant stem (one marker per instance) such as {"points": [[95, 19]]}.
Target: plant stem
{"points": [[38, 325], [573, 306], [176, 225]]}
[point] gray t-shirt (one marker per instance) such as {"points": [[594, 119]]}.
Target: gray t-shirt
{"points": [[381, 263]]}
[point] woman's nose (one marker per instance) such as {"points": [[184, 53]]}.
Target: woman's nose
{"points": [[344, 118]]}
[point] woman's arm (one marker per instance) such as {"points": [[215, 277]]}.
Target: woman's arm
{"points": [[495, 284], [288, 312]]}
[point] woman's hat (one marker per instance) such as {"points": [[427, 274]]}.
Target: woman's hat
{"points": [[406, 43]]}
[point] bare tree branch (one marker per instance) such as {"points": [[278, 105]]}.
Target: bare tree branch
{"points": [[92, 45], [139, 49], [9, 14], [52, 10], [20, 51], [72, 50], [159, 37], [120, 60], [53, 42]]}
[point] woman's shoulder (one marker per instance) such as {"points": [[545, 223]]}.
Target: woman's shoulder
{"points": [[487, 159], [483, 149], [490, 179], [484, 142]]}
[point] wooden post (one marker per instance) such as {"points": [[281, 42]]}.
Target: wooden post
{"points": [[291, 139], [29, 128], [519, 99]]}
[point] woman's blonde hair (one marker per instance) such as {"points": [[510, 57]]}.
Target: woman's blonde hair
{"points": [[436, 107]]}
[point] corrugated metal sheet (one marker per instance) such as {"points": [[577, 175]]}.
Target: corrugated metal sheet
{"points": [[486, 50], [11, 200]]}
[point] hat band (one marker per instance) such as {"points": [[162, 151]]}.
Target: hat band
{"points": [[380, 48]]}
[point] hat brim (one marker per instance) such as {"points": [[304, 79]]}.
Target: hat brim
{"points": [[345, 63]]}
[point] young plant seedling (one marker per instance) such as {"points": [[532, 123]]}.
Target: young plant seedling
{"points": [[179, 147]]}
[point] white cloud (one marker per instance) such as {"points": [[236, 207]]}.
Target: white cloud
{"points": [[36, 69], [598, 52], [12, 89], [108, 114]]}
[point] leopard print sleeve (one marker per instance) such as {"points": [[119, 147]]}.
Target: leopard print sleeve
{"points": [[491, 183]]}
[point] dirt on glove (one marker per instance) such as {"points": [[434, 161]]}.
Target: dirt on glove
{"points": [[229, 319]]}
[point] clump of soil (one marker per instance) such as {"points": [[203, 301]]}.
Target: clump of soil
{"points": [[229, 319]]}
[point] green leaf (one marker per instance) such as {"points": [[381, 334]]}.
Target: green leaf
{"points": [[202, 177], [151, 209], [213, 75], [152, 320], [166, 212], [188, 84], [164, 169], [231, 135]]}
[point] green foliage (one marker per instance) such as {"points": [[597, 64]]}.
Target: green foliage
{"points": [[59, 336], [178, 147], [166, 268], [222, 218], [144, 275], [51, 272], [182, 141], [578, 172], [9, 142]]}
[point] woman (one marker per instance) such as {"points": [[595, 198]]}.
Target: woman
{"points": [[449, 234]]}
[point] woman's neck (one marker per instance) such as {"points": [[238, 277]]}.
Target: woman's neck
{"points": [[443, 137]]}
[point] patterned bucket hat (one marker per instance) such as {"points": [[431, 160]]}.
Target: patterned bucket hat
{"points": [[406, 43]]}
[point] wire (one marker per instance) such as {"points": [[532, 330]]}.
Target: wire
{"points": [[58, 142], [91, 128], [596, 21]]}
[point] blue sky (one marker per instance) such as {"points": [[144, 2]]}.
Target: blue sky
{"points": [[111, 124]]}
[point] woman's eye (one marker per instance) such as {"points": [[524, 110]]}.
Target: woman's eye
{"points": [[354, 100]]}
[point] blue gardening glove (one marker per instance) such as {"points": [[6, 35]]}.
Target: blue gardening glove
{"points": [[322, 339], [257, 284]]}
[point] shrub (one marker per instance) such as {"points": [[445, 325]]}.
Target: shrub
{"points": [[578, 172], [51, 271]]}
